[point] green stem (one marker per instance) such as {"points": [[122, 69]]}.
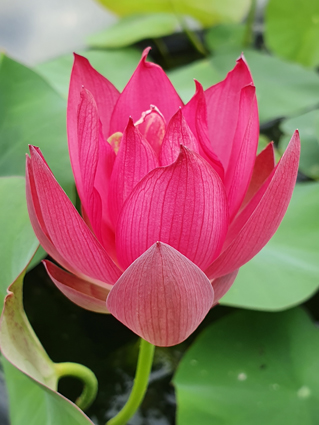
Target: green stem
{"points": [[191, 35], [143, 370], [86, 376], [249, 31]]}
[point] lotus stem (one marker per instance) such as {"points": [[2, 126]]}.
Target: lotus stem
{"points": [[249, 31], [88, 378], [143, 370]]}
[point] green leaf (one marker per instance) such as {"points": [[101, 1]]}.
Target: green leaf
{"points": [[32, 394], [251, 368], [226, 37], [18, 242], [207, 12], [19, 344], [183, 78], [116, 65], [32, 403], [308, 125], [292, 30], [132, 29], [283, 89], [31, 112], [286, 271]]}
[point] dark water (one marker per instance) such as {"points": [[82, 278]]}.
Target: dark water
{"points": [[69, 333]]}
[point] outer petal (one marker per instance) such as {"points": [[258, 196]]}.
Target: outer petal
{"points": [[178, 133], [257, 223], [222, 285], [81, 292], [183, 204], [195, 112], [264, 164], [162, 296], [149, 85], [243, 155], [59, 227], [105, 95], [134, 160], [223, 101]]}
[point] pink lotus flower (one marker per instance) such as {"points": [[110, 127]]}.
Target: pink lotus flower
{"points": [[173, 197]]}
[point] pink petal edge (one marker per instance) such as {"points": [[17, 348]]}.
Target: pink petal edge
{"points": [[63, 227], [177, 133], [105, 95], [149, 85], [222, 285], [222, 101], [264, 165], [81, 292], [260, 219]]}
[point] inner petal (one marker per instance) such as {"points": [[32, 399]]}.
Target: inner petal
{"points": [[152, 126]]}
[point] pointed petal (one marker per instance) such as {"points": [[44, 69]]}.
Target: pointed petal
{"points": [[195, 112], [223, 109], [178, 133], [105, 95], [81, 292], [88, 145], [222, 285], [149, 85], [134, 160], [183, 204], [53, 213], [264, 164], [152, 126], [162, 296], [244, 150], [257, 223], [36, 217]]}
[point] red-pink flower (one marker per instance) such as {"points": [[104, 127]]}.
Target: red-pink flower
{"points": [[173, 197]]}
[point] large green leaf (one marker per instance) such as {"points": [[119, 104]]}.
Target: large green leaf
{"points": [[292, 30], [17, 242], [308, 125], [283, 89], [208, 12], [31, 112], [183, 78], [251, 368], [32, 378], [286, 271], [116, 65], [134, 28], [226, 37]]}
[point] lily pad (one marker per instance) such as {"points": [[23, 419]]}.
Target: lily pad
{"points": [[134, 28], [205, 11], [31, 376], [308, 125], [292, 30], [286, 271], [251, 368], [116, 65], [18, 242], [31, 113]]}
